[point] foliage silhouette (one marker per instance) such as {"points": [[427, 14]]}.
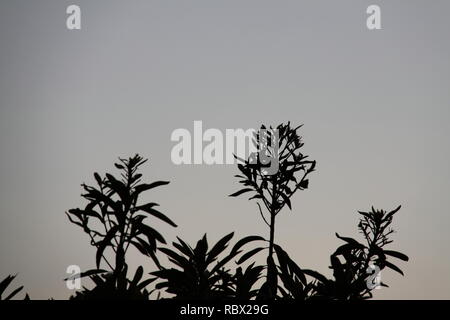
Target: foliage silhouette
{"points": [[351, 264], [113, 218], [216, 272], [107, 287], [205, 273], [283, 146], [4, 285], [352, 261]]}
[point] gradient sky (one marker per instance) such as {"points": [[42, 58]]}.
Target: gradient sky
{"points": [[375, 107]]}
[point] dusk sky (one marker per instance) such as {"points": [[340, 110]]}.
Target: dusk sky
{"points": [[375, 105]]}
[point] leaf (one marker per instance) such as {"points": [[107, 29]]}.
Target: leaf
{"points": [[351, 241], [240, 192], [14, 293], [257, 196], [393, 267], [286, 200], [396, 254], [155, 259], [316, 275], [304, 184], [220, 246], [162, 285], [137, 276], [91, 213], [169, 274], [176, 258], [5, 283], [246, 240], [151, 233], [139, 246], [97, 196], [291, 264], [85, 274], [390, 214], [118, 187], [98, 178], [224, 261], [144, 187], [183, 247], [148, 208], [145, 283], [119, 166], [104, 243], [282, 258], [200, 251], [73, 221], [249, 254]]}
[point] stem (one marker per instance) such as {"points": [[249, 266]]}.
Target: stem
{"points": [[273, 212], [272, 233], [104, 258]]}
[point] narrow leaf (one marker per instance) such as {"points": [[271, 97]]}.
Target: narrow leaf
{"points": [[249, 254], [240, 192]]}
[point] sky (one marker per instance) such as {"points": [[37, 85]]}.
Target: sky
{"points": [[375, 106]]}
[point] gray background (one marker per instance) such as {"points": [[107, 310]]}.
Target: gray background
{"points": [[375, 105]]}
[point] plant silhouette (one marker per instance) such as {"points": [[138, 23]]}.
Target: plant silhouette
{"points": [[4, 285], [281, 145], [114, 206], [353, 261], [205, 273], [111, 287], [215, 272], [200, 274], [114, 220]]}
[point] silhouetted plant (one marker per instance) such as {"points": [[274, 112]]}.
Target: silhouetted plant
{"points": [[287, 280], [281, 145], [113, 218], [274, 191], [352, 262], [294, 282], [107, 287], [4, 285], [204, 274], [353, 265]]}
